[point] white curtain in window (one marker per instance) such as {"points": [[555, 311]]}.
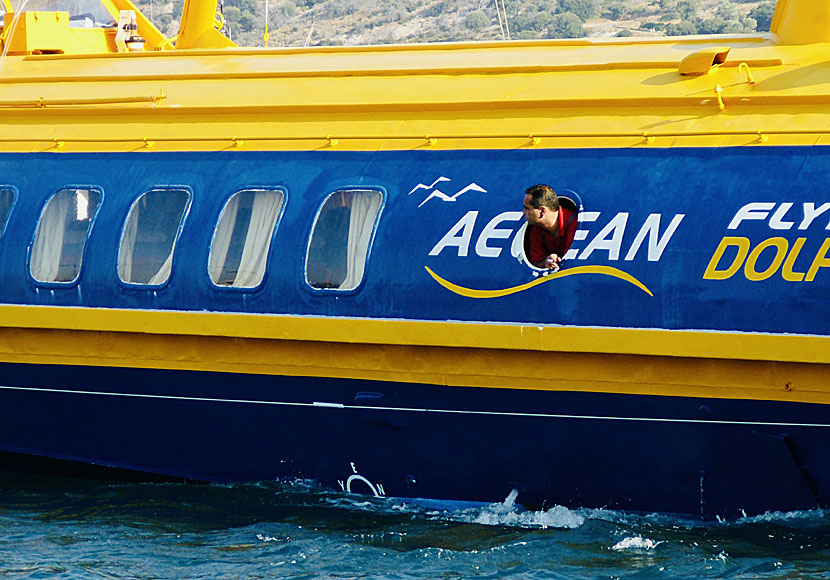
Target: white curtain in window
{"points": [[222, 239], [163, 274], [264, 213], [48, 244], [125, 251], [365, 207]]}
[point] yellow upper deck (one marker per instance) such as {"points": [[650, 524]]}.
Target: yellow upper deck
{"points": [[719, 90]]}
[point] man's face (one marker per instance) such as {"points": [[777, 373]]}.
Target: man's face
{"points": [[532, 214]]}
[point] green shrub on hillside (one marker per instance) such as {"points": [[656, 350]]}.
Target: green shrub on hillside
{"points": [[566, 25], [763, 15], [614, 11], [476, 20], [583, 9]]}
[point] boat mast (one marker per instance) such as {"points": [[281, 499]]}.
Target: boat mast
{"points": [[199, 27], [801, 21]]}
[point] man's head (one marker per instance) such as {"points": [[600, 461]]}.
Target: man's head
{"points": [[539, 201]]}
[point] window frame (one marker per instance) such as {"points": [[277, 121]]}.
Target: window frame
{"points": [[92, 219], [524, 260], [225, 202], [375, 227], [185, 213], [15, 197]]}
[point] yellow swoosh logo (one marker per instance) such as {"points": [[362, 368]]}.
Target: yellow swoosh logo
{"points": [[473, 293]]}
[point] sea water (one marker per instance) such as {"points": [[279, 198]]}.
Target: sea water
{"points": [[69, 528]]}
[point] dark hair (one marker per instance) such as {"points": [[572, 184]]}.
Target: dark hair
{"points": [[542, 195]]}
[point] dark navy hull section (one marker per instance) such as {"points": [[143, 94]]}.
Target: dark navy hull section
{"points": [[643, 453]]}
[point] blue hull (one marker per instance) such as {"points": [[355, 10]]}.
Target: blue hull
{"points": [[641, 453], [665, 246]]}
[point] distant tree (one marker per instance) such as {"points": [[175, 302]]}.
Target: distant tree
{"points": [[409, 5], [687, 9], [232, 14], [736, 26], [525, 35], [287, 9], [566, 25], [624, 32], [683, 28], [714, 25], [727, 11], [615, 10], [762, 14], [436, 9], [163, 21], [583, 9], [476, 20], [240, 15], [248, 22]]}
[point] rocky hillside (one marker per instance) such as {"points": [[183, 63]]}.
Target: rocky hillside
{"points": [[352, 22]]}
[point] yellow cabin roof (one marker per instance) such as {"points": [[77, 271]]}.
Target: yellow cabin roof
{"points": [[714, 90]]}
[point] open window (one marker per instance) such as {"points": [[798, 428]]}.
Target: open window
{"points": [[148, 241], [341, 238], [242, 239], [569, 200], [62, 231]]}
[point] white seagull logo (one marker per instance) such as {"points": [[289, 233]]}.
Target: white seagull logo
{"points": [[440, 194]]}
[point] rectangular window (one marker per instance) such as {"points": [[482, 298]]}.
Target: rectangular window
{"points": [[242, 239], [148, 241], [58, 246], [7, 197], [339, 244]]}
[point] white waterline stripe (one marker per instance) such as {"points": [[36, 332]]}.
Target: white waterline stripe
{"points": [[415, 410]]}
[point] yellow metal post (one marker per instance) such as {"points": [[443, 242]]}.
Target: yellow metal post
{"points": [[197, 27], [802, 21]]}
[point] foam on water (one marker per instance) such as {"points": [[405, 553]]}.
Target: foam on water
{"points": [[635, 543], [817, 515], [509, 514]]}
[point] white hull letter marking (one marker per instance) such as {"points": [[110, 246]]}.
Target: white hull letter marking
{"points": [[776, 223], [491, 231], [615, 229], [811, 213], [517, 247], [751, 211], [462, 241], [656, 244]]}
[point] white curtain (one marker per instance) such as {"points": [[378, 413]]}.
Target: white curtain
{"points": [[266, 208], [126, 250], [222, 239], [48, 244], [164, 272], [365, 207], [145, 224]]}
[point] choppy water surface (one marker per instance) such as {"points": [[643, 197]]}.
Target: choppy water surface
{"points": [[61, 528]]}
